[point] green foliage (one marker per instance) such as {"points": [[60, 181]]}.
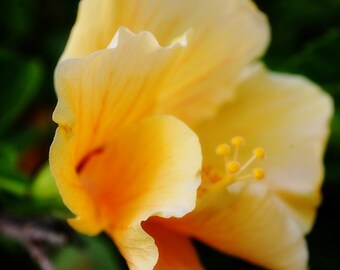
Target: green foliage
{"points": [[319, 59], [44, 186], [91, 253], [20, 82]]}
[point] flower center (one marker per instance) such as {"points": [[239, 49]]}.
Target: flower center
{"points": [[234, 170]]}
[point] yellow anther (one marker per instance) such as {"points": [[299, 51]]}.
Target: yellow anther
{"points": [[259, 173], [259, 153], [233, 167], [235, 171], [222, 149], [238, 141]]}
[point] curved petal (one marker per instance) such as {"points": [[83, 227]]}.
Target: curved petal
{"points": [[148, 169], [251, 224], [288, 116], [223, 37], [176, 251], [63, 165], [109, 89]]}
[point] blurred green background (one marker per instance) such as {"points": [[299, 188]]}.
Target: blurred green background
{"points": [[305, 40]]}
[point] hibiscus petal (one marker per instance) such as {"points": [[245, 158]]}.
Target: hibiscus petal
{"points": [[63, 167], [251, 224], [166, 19], [109, 89], [176, 251], [223, 37], [148, 169], [288, 116]]}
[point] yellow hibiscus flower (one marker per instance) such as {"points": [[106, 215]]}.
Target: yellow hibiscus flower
{"points": [[123, 167], [115, 166]]}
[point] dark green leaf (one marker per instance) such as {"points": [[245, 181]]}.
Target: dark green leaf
{"points": [[94, 253], [20, 81]]}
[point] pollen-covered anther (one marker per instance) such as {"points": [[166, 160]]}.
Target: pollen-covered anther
{"points": [[222, 149], [233, 167], [235, 171], [238, 141], [259, 153], [259, 173]]}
